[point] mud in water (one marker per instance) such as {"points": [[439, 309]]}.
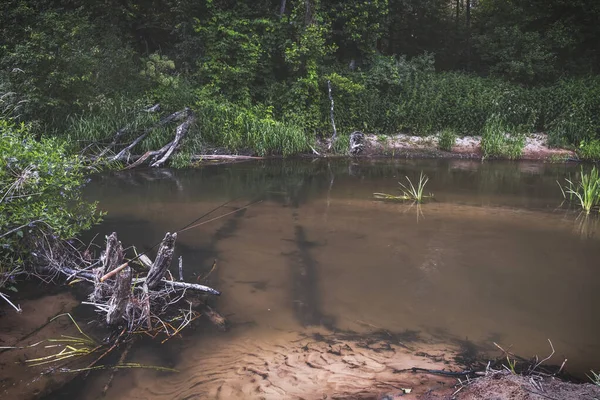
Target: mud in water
{"points": [[493, 258]]}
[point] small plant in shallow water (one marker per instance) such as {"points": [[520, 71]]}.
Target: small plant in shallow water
{"points": [[586, 191], [409, 192]]}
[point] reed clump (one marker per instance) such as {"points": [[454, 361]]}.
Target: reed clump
{"points": [[409, 191], [585, 192]]}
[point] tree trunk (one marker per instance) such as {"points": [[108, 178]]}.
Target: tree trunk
{"points": [[468, 35], [282, 9], [308, 13], [113, 256], [120, 297], [162, 262], [457, 12], [334, 137]]}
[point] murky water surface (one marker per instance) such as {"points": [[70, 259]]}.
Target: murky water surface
{"points": [[491, 259]]}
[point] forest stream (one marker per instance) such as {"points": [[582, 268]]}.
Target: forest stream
{"points": [[329, 292]]}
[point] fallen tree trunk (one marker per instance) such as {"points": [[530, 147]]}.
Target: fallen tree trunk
{"points": [[181, 132], [224, 157], [173, 117], [89, 275]]}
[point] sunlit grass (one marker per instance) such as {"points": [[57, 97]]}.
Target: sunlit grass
{"points": [[409, 192]]}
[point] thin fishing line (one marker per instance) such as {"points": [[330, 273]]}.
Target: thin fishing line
{"points": [[220, 216], [188, 226]]}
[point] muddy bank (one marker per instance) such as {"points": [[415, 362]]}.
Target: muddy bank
{"points": [[536, 147], [404, 146]]}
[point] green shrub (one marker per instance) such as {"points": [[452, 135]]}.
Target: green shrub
{"points": [[40, 195], [589, 150], [496, 142], [447, 140]]}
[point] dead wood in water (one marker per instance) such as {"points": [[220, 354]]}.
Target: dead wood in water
{"points": [[120, 297], [113, 256], [162, 261], [144, 304]]}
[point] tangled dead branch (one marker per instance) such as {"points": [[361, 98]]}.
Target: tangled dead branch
{"points": [[148, 303], [158, 157]]}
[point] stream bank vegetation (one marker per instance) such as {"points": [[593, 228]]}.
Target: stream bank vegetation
{"points": [[262, 79]]}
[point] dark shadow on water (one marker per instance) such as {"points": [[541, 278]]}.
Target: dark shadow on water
{"points": [[305, 293]]}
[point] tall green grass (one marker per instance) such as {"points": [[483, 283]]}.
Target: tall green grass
{"points": [[446, 140], [414, 99], [239, 129], [497, 142], [586, 192]]}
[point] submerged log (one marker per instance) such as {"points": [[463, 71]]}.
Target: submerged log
{"points": [[201, 157], [162, 262], [117, 305], [217, 319], [192, 286]]}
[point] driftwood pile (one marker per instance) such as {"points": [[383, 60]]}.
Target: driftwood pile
{"points": [[157, 157], [141, 296]]}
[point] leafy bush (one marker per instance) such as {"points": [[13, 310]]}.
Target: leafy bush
{"points": [[447, 140], [40, 194], [589, 150], [496, 142], [571, 112]]}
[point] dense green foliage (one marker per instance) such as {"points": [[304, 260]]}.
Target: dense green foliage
{"points": [[40, 195], [256, 72]]}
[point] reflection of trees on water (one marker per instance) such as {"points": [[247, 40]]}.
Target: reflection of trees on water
{"points": [[294, 182]]}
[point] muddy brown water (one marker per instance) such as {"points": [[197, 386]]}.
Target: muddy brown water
{"points": [[492, 258]]}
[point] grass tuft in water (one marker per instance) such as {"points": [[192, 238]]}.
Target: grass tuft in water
{"points": [[586, 192], [409, 192]]}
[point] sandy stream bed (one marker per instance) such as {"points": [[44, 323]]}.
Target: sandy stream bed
{"points": [[284, 365]]}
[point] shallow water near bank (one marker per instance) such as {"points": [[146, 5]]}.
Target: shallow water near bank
{"points": [[493, 258]]}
